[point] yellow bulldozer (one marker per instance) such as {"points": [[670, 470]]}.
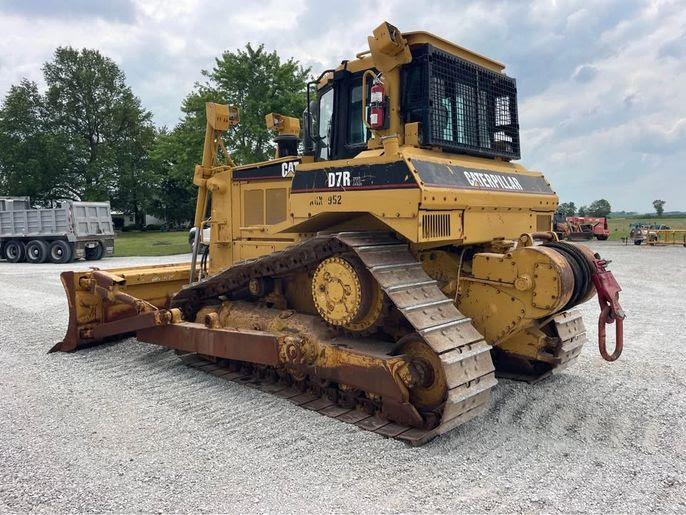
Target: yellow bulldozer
{"points": [[384, 268]]}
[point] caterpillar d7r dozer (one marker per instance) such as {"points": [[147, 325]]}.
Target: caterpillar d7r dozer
{"points": [[387, 275]]}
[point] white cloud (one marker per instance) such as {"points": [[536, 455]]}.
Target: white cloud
{"points": [[600, 84], [622, 127]]}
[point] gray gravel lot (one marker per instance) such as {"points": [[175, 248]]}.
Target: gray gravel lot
{"points": [[126, 427]]}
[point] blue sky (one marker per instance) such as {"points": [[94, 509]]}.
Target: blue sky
{"points": [[602, 85]]}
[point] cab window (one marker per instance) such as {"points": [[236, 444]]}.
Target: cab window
{"points": [[357, 132], [324, 123]]}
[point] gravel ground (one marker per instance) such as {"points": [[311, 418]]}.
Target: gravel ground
{"points": [[125, 427]]}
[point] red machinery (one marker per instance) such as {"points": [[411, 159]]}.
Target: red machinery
{"points": [[582, 228], [599, 225]]}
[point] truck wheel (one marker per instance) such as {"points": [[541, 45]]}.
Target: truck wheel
{"points": [[95, 253], [601, 237], [15, 251], [638, 242], [37, 251], [60, 252]]}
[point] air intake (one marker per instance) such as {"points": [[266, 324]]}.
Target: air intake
{"points": [[436, 226]]}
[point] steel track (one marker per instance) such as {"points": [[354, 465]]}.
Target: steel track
{"points": [[463, 353]]}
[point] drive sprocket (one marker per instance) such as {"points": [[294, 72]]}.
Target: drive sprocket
{"points": [[346, 295]]}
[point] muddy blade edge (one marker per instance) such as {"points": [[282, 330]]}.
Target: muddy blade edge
{"points": [[108, 304]]}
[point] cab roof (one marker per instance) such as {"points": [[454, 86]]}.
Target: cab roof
{"points": [[421, 37], [363, 60]]}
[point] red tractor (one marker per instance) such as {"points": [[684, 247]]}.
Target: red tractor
{"points": [[598, 225], [581, 227]]}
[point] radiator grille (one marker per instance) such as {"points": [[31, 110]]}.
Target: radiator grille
{"points": [[436, 226]]}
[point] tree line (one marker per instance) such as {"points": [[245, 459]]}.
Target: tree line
{"points": [[600, 208], [88, 137], [597, 208]]}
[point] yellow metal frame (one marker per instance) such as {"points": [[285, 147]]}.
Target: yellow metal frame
{"points": [[476, 216], [433, 219], [667, 237]]}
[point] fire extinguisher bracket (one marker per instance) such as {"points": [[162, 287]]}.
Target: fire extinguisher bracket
{"points": [[377, 105], [374, 115]]}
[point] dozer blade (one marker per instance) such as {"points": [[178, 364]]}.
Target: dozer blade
{"points": [[104, 304]]}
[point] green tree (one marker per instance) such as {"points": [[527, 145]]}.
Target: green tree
{"points": [[567, 209], [107, 132], [31, 156], [659, 206], [583, 210], [258, 82], [599, 208], [175, 155], [138, 175]]}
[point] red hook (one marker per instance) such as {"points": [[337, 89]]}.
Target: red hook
{"points": [[610, 311], [604, 320]]}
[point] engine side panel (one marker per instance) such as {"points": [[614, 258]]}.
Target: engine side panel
{"points": [[425, 197]]}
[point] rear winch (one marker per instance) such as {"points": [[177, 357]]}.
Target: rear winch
{"points": [[589, 269]]}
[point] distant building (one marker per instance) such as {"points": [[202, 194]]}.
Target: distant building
{"points": [[121, 220]]}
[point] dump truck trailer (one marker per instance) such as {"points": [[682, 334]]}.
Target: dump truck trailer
{"points": [[386, 271], [71, 230]]}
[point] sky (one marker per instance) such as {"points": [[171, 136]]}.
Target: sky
{"points": [[601, 84]]}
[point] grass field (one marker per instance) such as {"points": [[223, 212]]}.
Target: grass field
{"points": [[151, 243], [619, 227], [167, 243]]}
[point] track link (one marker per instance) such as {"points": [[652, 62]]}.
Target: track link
{"points": [[572, 332], [248, 376], [464, 354]]}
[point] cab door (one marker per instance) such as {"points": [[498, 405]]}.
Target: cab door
{"points": [[341, 134]]}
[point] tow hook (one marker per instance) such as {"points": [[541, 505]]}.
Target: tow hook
{"points": [[610, 311]]}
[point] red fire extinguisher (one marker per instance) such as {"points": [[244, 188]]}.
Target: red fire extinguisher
{"points": [[376, 105]]}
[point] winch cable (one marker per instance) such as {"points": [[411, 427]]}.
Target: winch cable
{"points": [[587, 272], [581, 270]]}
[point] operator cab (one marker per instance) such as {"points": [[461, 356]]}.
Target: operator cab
{"points": [[340, 100], [463, 102]]}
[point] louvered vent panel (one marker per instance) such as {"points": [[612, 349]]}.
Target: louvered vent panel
{"points": [[436, 226]]}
